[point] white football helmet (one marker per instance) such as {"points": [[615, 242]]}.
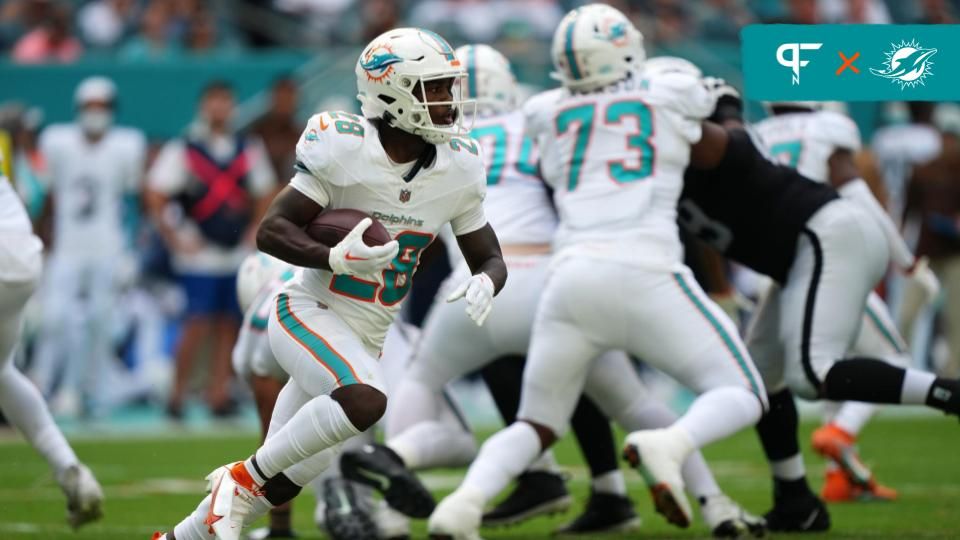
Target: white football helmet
{"points": [[398, 62], [489, 79], [659, 65], [257, 271], [594, 46]]}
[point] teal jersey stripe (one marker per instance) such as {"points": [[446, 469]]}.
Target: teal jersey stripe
{"points": [[317, 346], [887, 333], [568, 50], [721, 331], [472, 71]]}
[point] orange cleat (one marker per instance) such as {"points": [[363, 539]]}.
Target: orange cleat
{"points": [[837, 488], [853, 481], [158, 536]]}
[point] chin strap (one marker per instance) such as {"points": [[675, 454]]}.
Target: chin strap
{"points": [[426, 157]]}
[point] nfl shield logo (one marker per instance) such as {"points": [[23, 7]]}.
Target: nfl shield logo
{"points": [[404, 195]]}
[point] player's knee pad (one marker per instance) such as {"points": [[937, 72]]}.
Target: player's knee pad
{"points": [[280, 489]]}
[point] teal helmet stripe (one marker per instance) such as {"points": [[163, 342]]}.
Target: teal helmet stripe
{"points": [[447, 50], [472, 71], [568, 49]]}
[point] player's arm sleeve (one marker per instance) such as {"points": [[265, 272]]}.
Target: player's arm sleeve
{"points": [[262, 178], [313, 163], [169, 172], [859, 192], [471, 216]]}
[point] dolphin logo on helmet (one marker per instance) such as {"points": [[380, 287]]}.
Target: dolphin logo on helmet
{"points": [[378, 61]]}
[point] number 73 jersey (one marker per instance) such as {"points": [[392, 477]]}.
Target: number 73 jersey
{"points": [[615, 160], [342, 164]]}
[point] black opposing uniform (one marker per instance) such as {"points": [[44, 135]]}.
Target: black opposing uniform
{"points": [[749, 208]]}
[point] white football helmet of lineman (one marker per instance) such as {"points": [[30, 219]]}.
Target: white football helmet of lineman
{"points": [[256, 271], [396, 63], [594, 46], [490, 80]]}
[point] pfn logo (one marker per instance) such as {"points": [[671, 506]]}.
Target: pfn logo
{"points": [[794, 62]]}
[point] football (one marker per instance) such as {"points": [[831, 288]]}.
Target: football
{"points": [[330, 226]]}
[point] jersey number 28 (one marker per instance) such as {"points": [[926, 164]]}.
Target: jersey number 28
{"points": [[584, 116], [396, 279]]}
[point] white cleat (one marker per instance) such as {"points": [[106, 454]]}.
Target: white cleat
{"points": [[658, 454], [727, 519], [390, 523], [230, 501], [457, 516], [84, 495]]}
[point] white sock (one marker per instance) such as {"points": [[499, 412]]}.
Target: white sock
{"points": [[547, 462], [307, 470], [698, 477], [853, 415], [433, 444], [830, 410], [916, 387], [502, 458], [23, 405], [719, 413], [611, 482], [318, 425], [788, 469], [411, 403]]}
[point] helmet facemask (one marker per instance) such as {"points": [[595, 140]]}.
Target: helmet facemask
{"points": [[430, 91]]}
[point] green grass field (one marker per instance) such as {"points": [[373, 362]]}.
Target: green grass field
{"points": [[151, 484]]}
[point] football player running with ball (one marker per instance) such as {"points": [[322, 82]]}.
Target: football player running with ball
{"points": [[617, 280], [408, 155]]}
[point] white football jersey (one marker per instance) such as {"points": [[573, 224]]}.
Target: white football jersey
{"points": [[518, 204], [348, 168], [13, 215], [615, 160], [806, 140], [88, 182]]}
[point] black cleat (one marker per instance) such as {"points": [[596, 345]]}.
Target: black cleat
{"points": [[800, 514], [382, 469], [605, 512], [538, 493], [344, 518]]}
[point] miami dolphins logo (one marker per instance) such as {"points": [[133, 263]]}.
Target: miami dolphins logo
{"points": [[613, 31], [907, 64], [378, 62]]}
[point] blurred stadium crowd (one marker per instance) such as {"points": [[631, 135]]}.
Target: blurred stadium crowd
{"points": [[166, 311], [35, 31]]}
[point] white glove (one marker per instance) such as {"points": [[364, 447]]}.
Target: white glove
{"points": [[478, 290], [922, 276], [352, 257]]}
